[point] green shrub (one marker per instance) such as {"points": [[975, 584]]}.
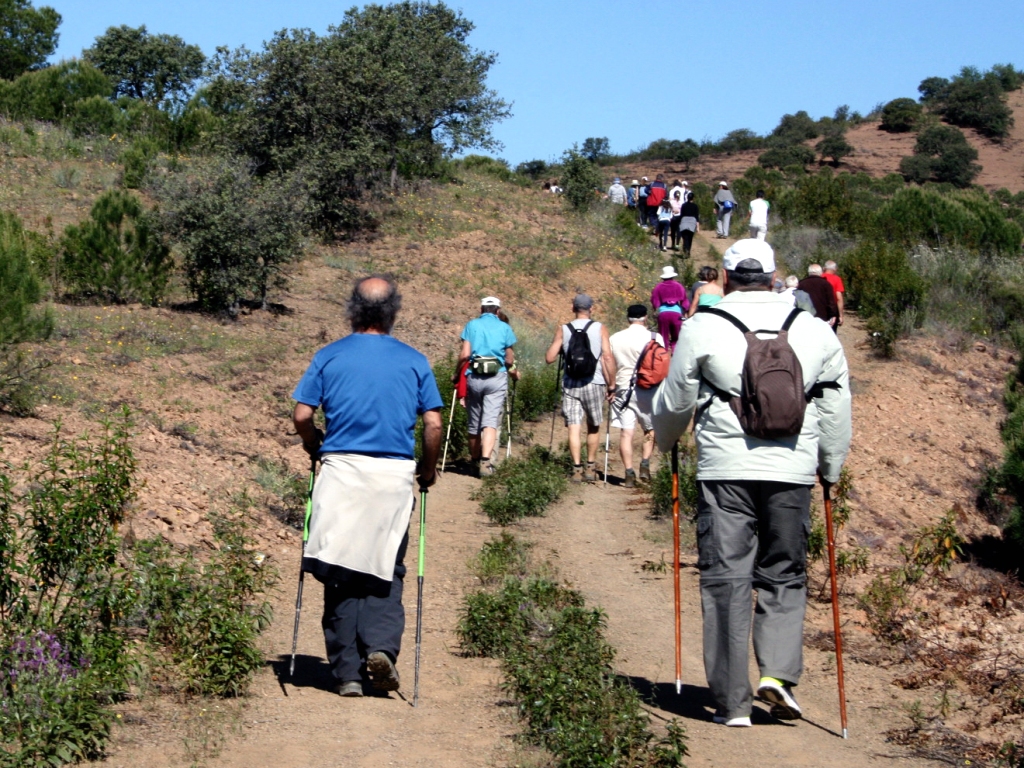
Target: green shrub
{"points": [[625, 225], [523, 487], [834, 146], [115, 255], [21, 320], [500, 557], [901, 115], [972, 99], [96, 115], [783, 157], [52, 94], [950, 157], [581, 180], [534, 169], [794, 129], [661, 484], [491, 166]]}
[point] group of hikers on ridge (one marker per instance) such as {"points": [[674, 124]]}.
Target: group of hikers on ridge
{"points": [[674, 217], [757, 459]]}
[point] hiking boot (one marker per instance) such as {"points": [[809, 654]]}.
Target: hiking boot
{"points": [[352, 689], [780, 696], [645, 471], [630, 478], [590, 475], [732, 722], [577, 473], [383, 674], [486, 468]]}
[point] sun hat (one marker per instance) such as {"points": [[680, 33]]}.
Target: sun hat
{"points": [[636, 311], [723, 183], [617, 180], [635, 183], [490, 301], [644, 178], [741, 250], [685, 183], [667, 273], [582, 301]]}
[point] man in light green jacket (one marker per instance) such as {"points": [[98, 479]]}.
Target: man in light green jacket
{"points": [[753, 511]]}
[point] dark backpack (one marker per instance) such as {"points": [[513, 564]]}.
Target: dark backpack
{"points": [[772, 400], [580, 363]]}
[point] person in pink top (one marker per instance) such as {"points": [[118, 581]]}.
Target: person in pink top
{"points": [[670, 303]]}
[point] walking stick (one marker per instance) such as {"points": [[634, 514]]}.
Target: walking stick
{"points": [[302, 573], [827, 487], [419, 595], [511, 407], [675, 568], [607, 438], [554, 413], [448, 437]]}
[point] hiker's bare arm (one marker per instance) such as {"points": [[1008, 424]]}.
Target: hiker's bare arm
{"points": [[839, 303], [607, 359], [510, 360], [311, 436], [426, 471], [556, 346], [694, 301]]}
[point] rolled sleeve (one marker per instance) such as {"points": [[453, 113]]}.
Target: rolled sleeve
{"points": [[835, 414], [676, 398]]}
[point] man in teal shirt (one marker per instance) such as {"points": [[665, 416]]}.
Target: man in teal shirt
{"points": [[487, 344]]}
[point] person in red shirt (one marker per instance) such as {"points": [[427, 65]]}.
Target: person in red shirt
{"points": [[837, 285]]}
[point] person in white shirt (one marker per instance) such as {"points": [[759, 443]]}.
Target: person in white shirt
{"points": [[617, 192], [627, 346], [759, 216]]}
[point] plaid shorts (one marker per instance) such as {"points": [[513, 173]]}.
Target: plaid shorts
{"points": [[588, 399]]}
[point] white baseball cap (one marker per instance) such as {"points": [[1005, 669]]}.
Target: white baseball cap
{"points": [[741, 250], [490, 301]]}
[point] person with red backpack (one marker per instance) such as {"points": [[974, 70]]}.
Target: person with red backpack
{"points": [[589, 380], [657, 192], [768, 390], [632, 348]]}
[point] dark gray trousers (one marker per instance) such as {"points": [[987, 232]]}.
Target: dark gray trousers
{"points": [[752, 535], [363, 614]]}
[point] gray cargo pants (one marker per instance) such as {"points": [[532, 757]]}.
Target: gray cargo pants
{"points": [[751, 534]]}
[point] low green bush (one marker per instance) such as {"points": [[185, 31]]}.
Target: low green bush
{"points": [[53, 93], [116, 255], [581, 180], [523, 487], [901, 115], [500, 557], [941, 154], [783, 157], [661, 484]]}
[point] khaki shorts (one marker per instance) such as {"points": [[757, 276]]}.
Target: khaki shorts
{"points": [[639, 409]]}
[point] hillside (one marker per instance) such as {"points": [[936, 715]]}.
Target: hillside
{"points": [[210, 398], [877, 153]]}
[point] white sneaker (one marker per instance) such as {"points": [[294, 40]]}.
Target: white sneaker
{"points": [[779, 695], [732, 722]]}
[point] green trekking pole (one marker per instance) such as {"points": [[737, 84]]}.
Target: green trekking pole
{"points": [[302, 573], [419, 595], [510, 406]]}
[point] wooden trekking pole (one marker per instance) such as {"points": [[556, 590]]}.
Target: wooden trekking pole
{"points": [[448, 437], [827, 488], [554, 414], [302, 573], [419, 595], [675, 568]]}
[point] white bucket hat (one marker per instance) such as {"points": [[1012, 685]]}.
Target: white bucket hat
{"points": [[667, 273]]}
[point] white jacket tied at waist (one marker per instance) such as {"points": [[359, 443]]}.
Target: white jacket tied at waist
{"points": [[712, 348], [361, 510]]}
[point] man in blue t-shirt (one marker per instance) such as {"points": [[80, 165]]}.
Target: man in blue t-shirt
{"points": [[487, 344], [372, 388]]}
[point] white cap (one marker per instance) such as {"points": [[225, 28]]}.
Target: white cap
{"points": [[723, 183], [741, 250], [685, 183], [490, 301], [667, 273], [643, 178]]}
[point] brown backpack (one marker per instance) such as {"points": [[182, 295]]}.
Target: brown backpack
{"points": [[652, 367], [772, 400]]}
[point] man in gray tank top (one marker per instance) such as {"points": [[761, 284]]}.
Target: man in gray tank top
{"points": [[584, 397]]}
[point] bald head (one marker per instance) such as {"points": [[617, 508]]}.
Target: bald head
{"points": [[374, 305]]}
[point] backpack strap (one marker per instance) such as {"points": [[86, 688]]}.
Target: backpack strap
{"points": [[722, 313]]}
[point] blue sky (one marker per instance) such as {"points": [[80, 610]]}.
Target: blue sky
{"points": [[638, 71]]}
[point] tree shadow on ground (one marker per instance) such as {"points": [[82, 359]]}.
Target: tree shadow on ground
{"points": [[995, 553]]}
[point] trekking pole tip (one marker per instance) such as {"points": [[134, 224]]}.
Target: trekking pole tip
{"points": [[844, 733], [679, 687]]}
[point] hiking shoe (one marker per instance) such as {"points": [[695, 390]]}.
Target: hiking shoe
{"points": [[486, 468], [732, 722], [383, 674], [590, 475], [780, 696], [630, 478], [645, 471], [351, 689], [577, 473]]}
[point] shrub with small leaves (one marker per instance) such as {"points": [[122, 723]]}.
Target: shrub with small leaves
{"points": [[523, 487]]}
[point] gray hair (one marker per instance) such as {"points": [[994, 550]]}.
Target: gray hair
{"points": [[373, 309], [814, 270], [748, 276], [792, 281], [831, 266]]}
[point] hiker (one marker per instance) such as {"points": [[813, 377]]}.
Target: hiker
{"points": [[487, 343], [689, 222], [796, 297], [664, 223], [822, 294], [831, 274], [644, 190], [703, 277], [724, 204], [589, 380], [632, 194], [677, 186], [675, 200], [617, 192], [758, 216], [371, 387], [669, 301], [708, 294], [656, 192], [627, 346], [754, 493]]}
